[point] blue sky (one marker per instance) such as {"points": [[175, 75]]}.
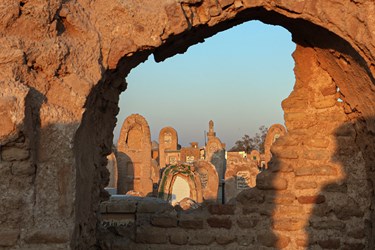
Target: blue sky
{"points": [[237, 78]]}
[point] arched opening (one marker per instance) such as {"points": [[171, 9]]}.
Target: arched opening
{"points": [[180, 190], [225, 79], [314, 163]]}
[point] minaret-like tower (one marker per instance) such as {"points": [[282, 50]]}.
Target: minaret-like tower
{"points": [[211, 133]]}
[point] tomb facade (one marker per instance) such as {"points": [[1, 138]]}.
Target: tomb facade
{"points": [[168, 141], [190, 154], [134, 156], [178, 182]]}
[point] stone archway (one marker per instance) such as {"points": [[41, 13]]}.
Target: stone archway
{"points": [[63, 80]]}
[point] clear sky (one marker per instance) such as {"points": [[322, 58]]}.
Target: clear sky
{"points": [[237, 78]]}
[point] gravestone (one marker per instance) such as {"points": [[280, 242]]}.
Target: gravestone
{"points": [[209, 180], [274, 133], [113, 174], [172, 157], [190, 154], [168, 140], [178, 182], [215, 152], [240, 174], [134, 156]]}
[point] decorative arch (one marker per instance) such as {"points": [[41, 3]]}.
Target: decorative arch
{"points": [[186, 172]]}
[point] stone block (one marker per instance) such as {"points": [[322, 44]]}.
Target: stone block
{"points": [[318, 142], [321, 209], [245, 240], [203, 15], [289, 224], [238, 4], [348, 210], [221, 209], [287, 210], [7, 125], [357, 233], [201, 238], [325, 103], [225, 239], [336, 187], [225, 3], [250, 210], [122, 206], [190, 2], [103, 207], [8, 238], [353, 246], [164, 221], [117, 220], [215, 11], [311, 199], [271, 182], [14, 154], [328, 225], [23, 168], [286, 154], [247, 222], [220, 222], [306, 185], [178, 238], [149, 235], [347, 130], [269, 239], [280, 167], [191, 223], [283, 241], [323, 170], [302, 242], [317, 155], [153, 205], [329, 243], [48, 236], [328, 90], [143, 219], [251, 196], [252, 3], [287, 198]]}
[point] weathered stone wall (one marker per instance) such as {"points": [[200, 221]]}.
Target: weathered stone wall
{"points": [[62, 70]]}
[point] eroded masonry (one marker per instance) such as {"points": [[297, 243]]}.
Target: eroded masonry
{"points": [[62, 68]]}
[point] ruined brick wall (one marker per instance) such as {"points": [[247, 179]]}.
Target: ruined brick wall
{"points": [[63, 65]]}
